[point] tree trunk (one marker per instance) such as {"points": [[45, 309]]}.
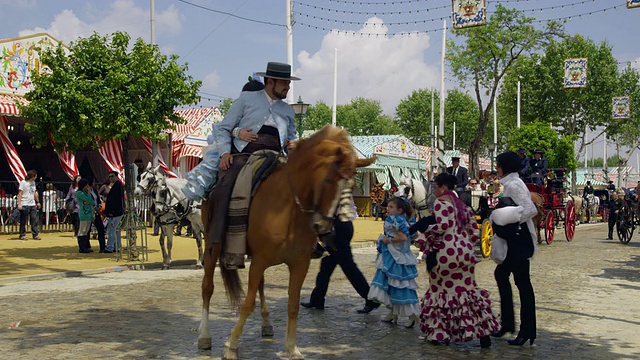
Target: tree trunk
{"points": [[129, 185], [474, 147]]}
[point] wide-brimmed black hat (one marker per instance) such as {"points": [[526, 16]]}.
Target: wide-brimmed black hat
{"points": [[276, 70], [538, 152], [521, 151], [455, 158]]}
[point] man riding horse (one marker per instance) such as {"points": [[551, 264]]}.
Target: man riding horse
{"points": [[273, 121]]}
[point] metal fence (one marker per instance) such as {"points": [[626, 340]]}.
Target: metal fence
{"points": [[52, 215]]}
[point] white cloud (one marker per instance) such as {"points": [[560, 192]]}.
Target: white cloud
{"points": [[380, 68], [211, 81], [122, 15]]}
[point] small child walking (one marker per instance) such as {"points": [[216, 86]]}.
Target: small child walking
{"points": [[394, 283]]}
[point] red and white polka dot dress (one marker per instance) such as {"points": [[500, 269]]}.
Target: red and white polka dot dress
{"points": [[454, 308]]}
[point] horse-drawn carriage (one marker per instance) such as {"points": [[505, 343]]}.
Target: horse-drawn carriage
{"points": [[554, 209], [628, 218]]}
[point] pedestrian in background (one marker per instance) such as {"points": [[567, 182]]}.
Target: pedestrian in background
{"points": [[97, 214], [28, 205], [113, 210], [71, 204], [614, 205], [85, 215]]}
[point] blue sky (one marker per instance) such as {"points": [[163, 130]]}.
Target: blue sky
{"points": [[223, 50]]}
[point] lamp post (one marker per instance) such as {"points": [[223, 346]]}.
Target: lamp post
{"points": [[300, 108], [492, 148]]}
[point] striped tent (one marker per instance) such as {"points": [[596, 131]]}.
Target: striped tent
{"points": [[182, 148]]}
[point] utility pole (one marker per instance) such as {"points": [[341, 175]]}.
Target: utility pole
{"points": [[154, 144]]}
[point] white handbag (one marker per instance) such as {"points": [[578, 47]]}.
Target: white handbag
{"points": [[498, 249]]}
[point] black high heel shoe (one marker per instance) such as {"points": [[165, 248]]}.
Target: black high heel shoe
{"points": [[501, 332], [519, 341]]}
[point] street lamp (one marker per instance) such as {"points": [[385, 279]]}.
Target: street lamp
{"points": [[300, 108], [492, 148]]}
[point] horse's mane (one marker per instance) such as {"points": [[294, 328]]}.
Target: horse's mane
{"points": [[318, 139]]}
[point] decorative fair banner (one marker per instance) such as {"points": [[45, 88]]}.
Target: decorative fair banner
{"points": [[575, 73], [621, 107], [633, 3], [19, 58], [401, 147], [468, 13]]}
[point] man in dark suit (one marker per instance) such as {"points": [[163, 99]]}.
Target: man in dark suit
{"points": [[540, 166], [524, 163], [459, 172]]}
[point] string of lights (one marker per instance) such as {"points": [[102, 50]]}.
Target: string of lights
{"points": [[369, 3], [417, 11], [382, 13], [409, 33], [335, 21]]}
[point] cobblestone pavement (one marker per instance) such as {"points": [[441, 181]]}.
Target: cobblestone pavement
{"points": [[586, 292]]}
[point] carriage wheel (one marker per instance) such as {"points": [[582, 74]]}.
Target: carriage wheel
{"points": [[625, 225], [485, 239], [570, 221], [549, 227]]}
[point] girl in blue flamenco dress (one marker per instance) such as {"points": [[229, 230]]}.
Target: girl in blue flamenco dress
{"points": [[394, 283]]}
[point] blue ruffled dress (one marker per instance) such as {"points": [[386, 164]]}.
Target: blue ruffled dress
{"points": [[394, 283]]}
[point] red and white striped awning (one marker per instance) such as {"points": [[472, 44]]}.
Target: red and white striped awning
{"points": [[193, 118], [163, 165], [111, 152], [10, 151], [8, 104]]}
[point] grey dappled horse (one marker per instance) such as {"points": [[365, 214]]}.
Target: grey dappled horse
{"points": [[171, 206]]}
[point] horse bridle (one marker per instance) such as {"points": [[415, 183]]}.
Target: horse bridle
{"points": [[152, 183], [168, 207], [417, 206], [318, 197]]}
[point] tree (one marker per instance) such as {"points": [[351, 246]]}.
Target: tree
{"points": [[102, 90], [572, 111], [488, 52], [540, 136], [225, 105], [360, 117], [413, 115], [462, 109]]}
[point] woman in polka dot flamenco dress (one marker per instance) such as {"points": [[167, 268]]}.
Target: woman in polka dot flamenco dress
{"points": [[394, 283], [454, 309]]}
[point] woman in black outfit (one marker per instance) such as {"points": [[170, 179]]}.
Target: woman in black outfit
{"points": [[520, 250]]}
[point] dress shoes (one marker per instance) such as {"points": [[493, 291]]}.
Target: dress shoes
{"points": [[519, 341], [501, 332], [312, 305], [369, 306]]}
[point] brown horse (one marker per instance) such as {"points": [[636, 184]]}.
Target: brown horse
{"points": [[294, 204], [538, 200]]}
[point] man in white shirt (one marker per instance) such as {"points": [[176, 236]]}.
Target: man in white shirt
{"points": [[28, 205]]}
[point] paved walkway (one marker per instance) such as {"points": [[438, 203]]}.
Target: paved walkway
{"points": [[586, 291]]}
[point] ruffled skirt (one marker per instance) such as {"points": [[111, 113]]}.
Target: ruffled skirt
{"points": [[457, 315]]}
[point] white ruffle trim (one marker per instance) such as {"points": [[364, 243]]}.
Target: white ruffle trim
{"points": [[402, 284], [402, 258], [380, 296]]}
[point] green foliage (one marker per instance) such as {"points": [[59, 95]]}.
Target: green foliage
{"points": [[487, 53], [544, 96], [540, 136], [461, 108], [225, 105], [360, 117], [104, 89], [413, 115]]}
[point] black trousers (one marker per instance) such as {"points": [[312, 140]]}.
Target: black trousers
{"points": [[520, 270], [100, 228], [341, 256]]}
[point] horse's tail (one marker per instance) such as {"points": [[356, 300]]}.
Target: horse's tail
{"points": [[232, 285]]}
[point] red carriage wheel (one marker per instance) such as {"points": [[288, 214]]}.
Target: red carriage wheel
{"points": [[549, 227], [569, 221]]}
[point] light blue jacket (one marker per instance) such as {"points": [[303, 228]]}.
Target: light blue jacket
{"points": [[251, 110]]}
